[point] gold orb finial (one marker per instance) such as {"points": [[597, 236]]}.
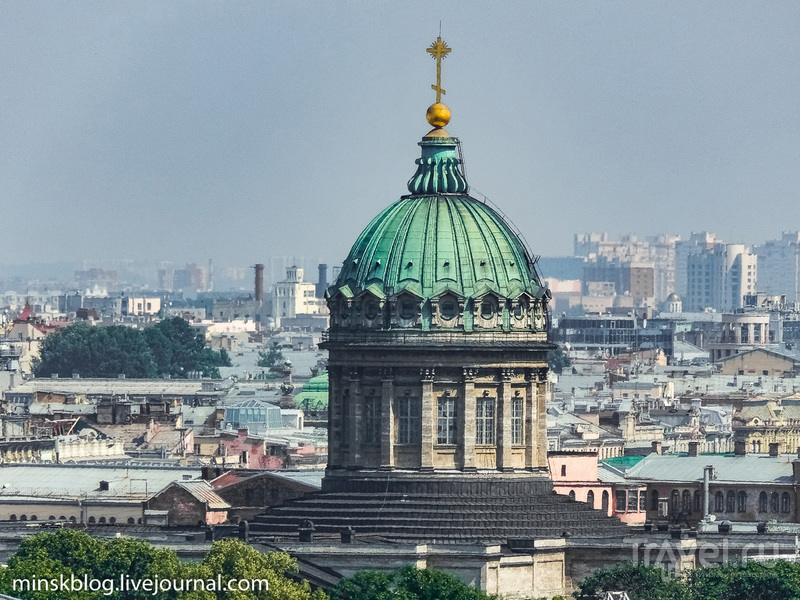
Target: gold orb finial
{"points": [[438, 115]]}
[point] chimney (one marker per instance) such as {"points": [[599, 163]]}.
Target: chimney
{"points": [[774, 449], [656, 447], [323, 280], [259, 292], [693, 448], [740, 448]]}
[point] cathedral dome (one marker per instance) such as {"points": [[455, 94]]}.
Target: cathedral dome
{"points": [[438, 258]]}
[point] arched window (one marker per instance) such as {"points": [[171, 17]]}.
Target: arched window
{"points": [[139, 520], [34, 518], [62, 518], [762, 502], [719, 502], [686, 503], [676, 501], [51, 518], [730, 501], [774, 502], [654, 500], [590, 498], [112, 520], [786, 502], [698, 501], [13, 517], [72, 519], [131, 521], [742, 504], [92, 520], [23, 517], [102, 520], [572, 495], [604, 501]]}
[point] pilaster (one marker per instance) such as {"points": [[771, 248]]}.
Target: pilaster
{"points": [[428, 415], [466, 427], [504, 421], [387, 418]]}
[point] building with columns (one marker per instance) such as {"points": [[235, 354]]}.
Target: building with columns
{"points": [[438, 343]]}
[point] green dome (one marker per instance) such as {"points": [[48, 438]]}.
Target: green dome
{"points": [[440, 241]]}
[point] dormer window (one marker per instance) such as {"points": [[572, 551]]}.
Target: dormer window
{"points": [[408, 309], [448, 309], [519, 310], [487, 309], [371, 309]]}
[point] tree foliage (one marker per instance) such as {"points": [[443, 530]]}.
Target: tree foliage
{"points": [[170, 347], [73, 553], [640, 581], [558, 360], [271, 357], [778, 580], [408, 583]]}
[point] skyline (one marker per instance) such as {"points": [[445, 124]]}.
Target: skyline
{"points": [[244, 131]]}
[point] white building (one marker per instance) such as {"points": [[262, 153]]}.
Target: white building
{"points": [[718, 278], [779, 266], [294, 297]]}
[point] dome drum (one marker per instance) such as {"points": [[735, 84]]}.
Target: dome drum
{"points": [[447, 310]]}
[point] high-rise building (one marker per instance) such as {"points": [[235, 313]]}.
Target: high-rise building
{"points": [[631, 252], [719, 278], [779, 266]]}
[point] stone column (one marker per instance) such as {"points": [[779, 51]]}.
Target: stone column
{"points": [[541, 406], [356, 418], [387, 419], [751, 333], [428, 415], [504, 421], [335, 417], [466, 421], [530, 426]]}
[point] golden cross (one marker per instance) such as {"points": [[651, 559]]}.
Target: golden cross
{"points": [[439, 51]]}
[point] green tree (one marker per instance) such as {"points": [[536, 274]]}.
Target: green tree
{"points": [[640, 581], [179, 349], [70, 552], [236, 560], [750, 581], [272, 356], [95, 352], [170, 347], [558, 360], [408, 583]]}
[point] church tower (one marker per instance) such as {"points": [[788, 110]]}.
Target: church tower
{"points": [[437, 363], [438, 336]]}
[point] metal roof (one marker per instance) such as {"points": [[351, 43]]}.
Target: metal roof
{"points": [[118, 387], [751, 468], [204, 493], [78, 481]]}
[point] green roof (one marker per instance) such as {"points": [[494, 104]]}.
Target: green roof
{"points": [[314, 395], [623, 463], [439, 239]]}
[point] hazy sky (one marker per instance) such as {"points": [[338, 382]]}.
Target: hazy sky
{"points": [[243, 130]]}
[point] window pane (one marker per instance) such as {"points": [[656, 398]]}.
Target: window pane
{"points": [[446, 430], [484, 421], [516, 420]]}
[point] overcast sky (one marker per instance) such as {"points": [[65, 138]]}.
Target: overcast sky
{"points": [[243, 130]]}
